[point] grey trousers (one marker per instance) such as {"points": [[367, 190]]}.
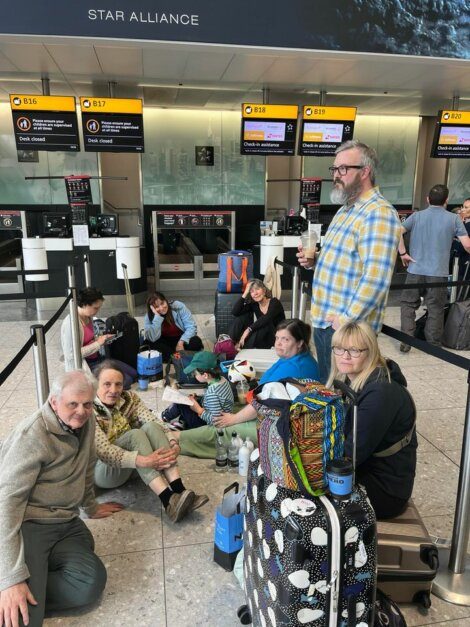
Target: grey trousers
{"points": [[435, 299], [64, 571], [145, 440]]}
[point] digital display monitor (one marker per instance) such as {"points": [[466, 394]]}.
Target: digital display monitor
{"points": [[452, 135], [324, 129], [268, 129]]}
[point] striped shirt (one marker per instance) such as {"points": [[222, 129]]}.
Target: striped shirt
{"points": [[218, 398], [355, 266]]}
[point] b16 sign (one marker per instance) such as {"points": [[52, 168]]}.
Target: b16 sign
{"points": [[112, 124], [45, 122]]}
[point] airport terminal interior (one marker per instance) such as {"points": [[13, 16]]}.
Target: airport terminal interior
{"points": [[149, 143]]}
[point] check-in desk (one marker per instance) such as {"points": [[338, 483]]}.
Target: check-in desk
{"points": [[47, 291]]}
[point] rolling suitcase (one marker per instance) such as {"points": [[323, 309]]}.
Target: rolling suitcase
{"points": [[407, 558], [457, 326], [223, 312], [308, 560]]}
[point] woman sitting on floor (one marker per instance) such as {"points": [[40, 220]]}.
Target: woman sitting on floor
{"points": [[386, 417], [169, 326], [89, 302], [256, 302], [295, 360], [129, 437]]}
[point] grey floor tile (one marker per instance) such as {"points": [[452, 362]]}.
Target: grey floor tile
{"points": [[439, 611], [435, 483], [442, 427], [199, 593], [134, 595]]}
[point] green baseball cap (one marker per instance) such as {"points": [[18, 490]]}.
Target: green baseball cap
{"points": [[202, 361]]}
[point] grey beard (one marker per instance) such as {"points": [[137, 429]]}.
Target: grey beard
{"points": [[345, 196]]}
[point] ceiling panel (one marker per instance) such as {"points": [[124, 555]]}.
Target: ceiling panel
{"points": [[206, 66], [21, 87], [287, 70], [29, 57], [164, 64], [247, 67], [192, 97], [74, 59], [6, 65], [116, 61]]}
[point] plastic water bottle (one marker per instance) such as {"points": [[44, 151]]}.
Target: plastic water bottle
{"points": [[233, 454], [243, 460], [239, 440], [250, 444], [221, 457]]}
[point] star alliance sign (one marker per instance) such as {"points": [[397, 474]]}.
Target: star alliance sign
{"points": [[143, 17]]}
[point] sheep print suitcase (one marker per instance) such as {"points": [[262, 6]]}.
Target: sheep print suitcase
{"points": [[308, 560]]}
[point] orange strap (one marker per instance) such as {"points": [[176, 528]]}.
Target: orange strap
{"points": [[243, 275]]}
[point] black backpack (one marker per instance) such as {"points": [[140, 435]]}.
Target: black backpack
{"points": [[126, 347], [387, 612]]}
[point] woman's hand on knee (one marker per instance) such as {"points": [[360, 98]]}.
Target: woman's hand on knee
{"points": [[225, 420]]}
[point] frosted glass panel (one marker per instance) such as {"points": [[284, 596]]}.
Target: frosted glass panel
{"points": [[170, 173], [395, 138], [459, 180], [13, 187]]}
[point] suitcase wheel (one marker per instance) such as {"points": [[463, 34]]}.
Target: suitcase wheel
{"points": [[423, 599], [244, 615]]}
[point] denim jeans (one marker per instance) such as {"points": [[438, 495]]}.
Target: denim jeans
{"points": [[322, 340]]}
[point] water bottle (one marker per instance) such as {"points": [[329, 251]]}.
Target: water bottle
{"points": [[221, 458], [243, 460], [233, 454], [250, 444], [239, 440]]}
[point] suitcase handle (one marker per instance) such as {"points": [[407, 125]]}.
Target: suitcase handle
{"points": [[349, 393]]}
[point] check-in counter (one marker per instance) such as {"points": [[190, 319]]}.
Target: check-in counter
{"points": [[105, 254]]}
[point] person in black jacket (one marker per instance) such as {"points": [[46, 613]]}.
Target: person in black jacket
{"points": [[386, 417], [257, 316]]}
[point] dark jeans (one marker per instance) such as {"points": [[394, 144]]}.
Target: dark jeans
{"points": [[188, 415], [385, 505], [435, 299], [64, 571], [322, 341], [167, 345], [130, 373], [261, 338]]}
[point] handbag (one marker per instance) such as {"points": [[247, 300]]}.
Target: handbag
{"points": [[228, 532], [298, 438], [225, 346], [387, 612]]}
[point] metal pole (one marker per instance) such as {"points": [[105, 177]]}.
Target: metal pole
{"points": [[46, 86], [295, 292], [322, 97], [74, 321], [452, 582], [87, 269], [40, 364], [303, 300], [112, 88]]}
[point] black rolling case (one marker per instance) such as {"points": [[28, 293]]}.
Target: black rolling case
{"points": [[223, 312], [307, 560], [126, 347]]}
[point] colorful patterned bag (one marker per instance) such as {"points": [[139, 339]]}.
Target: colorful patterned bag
{"points": [[297, 439]]}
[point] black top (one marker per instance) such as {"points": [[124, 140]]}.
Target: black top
{"points": [[274, 315], [385, 415]]}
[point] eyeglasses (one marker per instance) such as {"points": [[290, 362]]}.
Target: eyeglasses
{"points": [[352, 352], [342, 170]]}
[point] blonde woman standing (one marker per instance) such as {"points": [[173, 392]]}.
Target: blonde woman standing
{"points": [[386, 437]]}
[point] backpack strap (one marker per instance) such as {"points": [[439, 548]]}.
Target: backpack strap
{"points": [[406, 439], [229, 274], [243, 275]]}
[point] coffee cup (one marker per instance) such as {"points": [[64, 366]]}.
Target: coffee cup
{"points": [[339, 473], [143, 384], [308, 241]]}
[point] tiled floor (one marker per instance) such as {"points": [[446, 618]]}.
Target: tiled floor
{"points": [[161, 574]]}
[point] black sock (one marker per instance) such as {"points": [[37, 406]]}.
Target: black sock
{"points": [[177, 486], [165, 497]]}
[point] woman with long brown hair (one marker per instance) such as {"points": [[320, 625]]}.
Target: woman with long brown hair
{"points": [[169, 326]]}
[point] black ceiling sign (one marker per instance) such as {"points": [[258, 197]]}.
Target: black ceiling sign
{"points": [[309, 24]]}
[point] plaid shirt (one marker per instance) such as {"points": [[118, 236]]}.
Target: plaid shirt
{"points": [[355, 266]]}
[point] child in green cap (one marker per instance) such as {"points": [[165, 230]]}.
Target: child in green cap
{"points": [[217, 398]]}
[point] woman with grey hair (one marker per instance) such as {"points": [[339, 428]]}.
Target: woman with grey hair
{"points": [[257, 315]]}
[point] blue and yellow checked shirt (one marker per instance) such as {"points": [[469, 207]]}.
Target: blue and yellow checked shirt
{"points": [[355, 266]]}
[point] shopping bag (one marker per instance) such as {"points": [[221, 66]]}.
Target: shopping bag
{"points": [[228, 534], [149, 363]]}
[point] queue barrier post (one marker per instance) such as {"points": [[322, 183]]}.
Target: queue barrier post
{"points": [[304, 298], [452, 582], [87, 269], [74, 321], [40, 363]]}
